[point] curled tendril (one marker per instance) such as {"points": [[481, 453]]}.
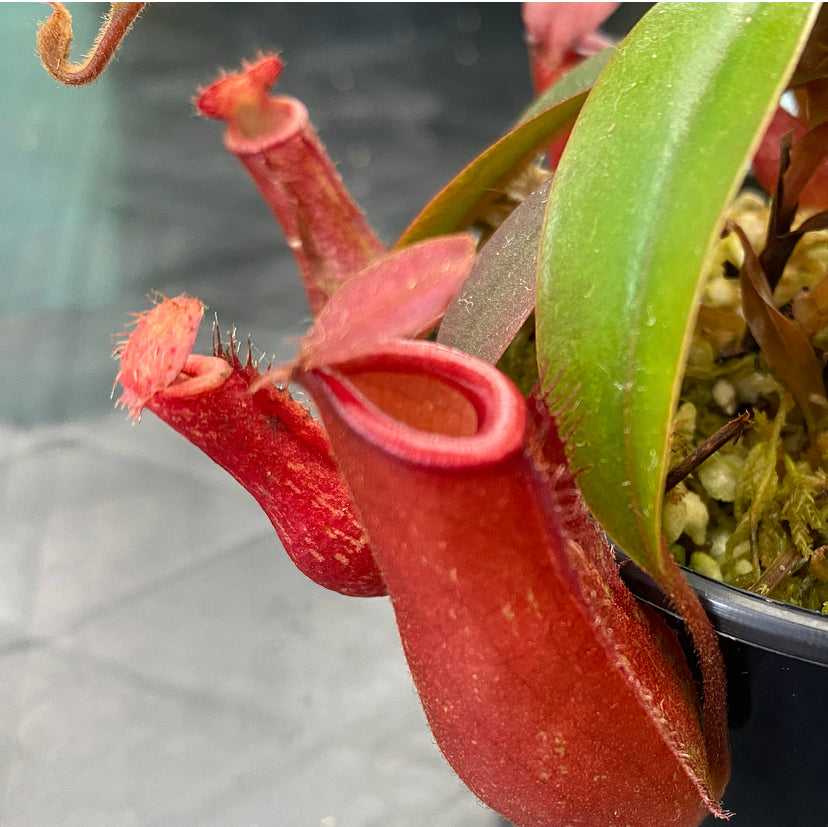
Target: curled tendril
{"points": [[54, 41]]}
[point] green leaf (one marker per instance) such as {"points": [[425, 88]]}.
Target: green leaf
{"points": [[457, 205], [659, 150]]}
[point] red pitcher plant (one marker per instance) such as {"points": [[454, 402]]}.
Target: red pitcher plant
{"points": [[493, 394]]}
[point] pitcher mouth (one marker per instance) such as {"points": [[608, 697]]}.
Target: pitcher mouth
{"points": [[428, 404]]}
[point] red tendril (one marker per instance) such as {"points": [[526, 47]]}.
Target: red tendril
{"points": [[54, 41]]}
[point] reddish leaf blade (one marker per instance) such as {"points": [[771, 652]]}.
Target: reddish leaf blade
{"points": [[499, 294], [810, 80], [404, 294], [546, 687]]}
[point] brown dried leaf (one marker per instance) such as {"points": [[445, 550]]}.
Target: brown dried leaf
{"points": [[781, 340]]}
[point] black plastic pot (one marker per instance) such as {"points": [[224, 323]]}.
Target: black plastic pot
{"points": [[777, 667]]}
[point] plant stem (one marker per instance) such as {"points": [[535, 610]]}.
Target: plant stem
{"points": [[730, 431], [783, 566], [54, 41]]}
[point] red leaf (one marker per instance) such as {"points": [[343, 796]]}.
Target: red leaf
{"points": [[404, 294], [550, 692]]}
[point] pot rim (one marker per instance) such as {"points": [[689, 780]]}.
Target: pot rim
{"points": [[789, 631]]}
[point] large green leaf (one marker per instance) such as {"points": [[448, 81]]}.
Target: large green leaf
{"points": [[659, 149], [550, 117]]}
